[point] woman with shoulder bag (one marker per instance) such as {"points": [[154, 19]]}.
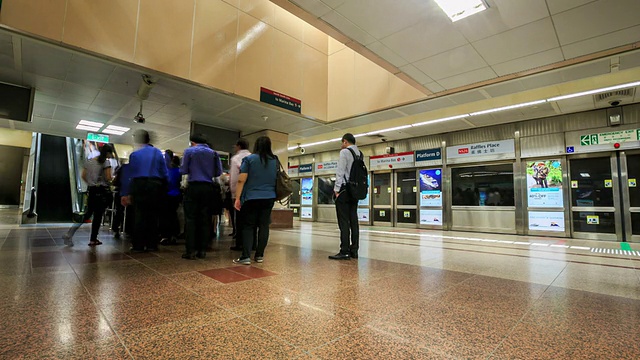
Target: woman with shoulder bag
{"points": [[255, 196], [97, 175]]}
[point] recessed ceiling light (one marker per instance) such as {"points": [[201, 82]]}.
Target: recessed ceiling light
{"points": [[460, 9], [90, 123], [118, 128], [88, 128], [113, 132]]}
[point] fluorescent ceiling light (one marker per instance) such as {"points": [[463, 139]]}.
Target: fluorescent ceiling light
{"points": [[118, 128], [460, 9], [591, 92], [113, 132], [441, 120], [508, 107], [389, 129], [88, 128], [90, 123]]}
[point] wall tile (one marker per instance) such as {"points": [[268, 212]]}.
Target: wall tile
{"points": [[288, 59], [254, 57], [315, 83], [104, 26], [289, 23], [371, 85], [214, 45], [316, 39], [164, 36], [43, 17], [341, 90]]}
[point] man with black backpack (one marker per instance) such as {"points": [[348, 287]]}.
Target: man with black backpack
{"points": [[351, 185]]}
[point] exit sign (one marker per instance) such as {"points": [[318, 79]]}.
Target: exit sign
{"points": [[101, 138]]}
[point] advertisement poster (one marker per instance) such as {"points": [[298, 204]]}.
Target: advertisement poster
{"points": [[306, 213], [365, 201], [431, 187], [431, 217], [363, 215], [306, 189], [544, 183], [546, 221]]}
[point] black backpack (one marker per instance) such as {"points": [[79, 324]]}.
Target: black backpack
{"points": [[358, 183]]}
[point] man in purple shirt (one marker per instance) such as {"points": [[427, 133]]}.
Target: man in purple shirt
{"points": [[201, 164]]}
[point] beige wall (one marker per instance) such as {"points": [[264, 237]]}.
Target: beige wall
{"points": [[17, 138], [233, 45]]}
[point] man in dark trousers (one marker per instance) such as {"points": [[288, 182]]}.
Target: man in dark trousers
{"points": [[346, 207], [201, 164], [241, 151], [143, 185]]}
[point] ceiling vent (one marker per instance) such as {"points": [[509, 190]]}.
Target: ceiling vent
{"points": [[619, 96]]}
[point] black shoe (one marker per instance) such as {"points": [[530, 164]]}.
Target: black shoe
{"points": [[136, 250], [188, 256], [168, 241], [235, 248], [340, 256], [201, 254], [353, 254]]}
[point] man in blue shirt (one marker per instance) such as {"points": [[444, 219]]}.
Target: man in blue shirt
{"points": [[143, 184], [201, 164]]}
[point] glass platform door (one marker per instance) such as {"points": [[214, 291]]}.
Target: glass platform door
{"points": [[382, 197], [406, 192]]}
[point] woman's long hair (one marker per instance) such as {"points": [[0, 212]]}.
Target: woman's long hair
{"points": [[262, 147], [104, 151]]}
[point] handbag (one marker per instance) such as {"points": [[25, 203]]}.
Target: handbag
{"points": [[283, 183]]}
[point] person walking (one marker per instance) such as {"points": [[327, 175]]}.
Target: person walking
{"points": [[97, 175], [170, 225], [241, 149], [255, 196], [201, 164], [346, 207], [143, 185]]}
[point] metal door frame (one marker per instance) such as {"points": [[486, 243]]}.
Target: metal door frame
{"points": [[617, 213], [397, 207], [626, 201], [389, 207]]}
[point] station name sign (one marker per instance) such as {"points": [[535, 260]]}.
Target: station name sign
{"points": [[392, 161], [483, 149], [280, 100]]}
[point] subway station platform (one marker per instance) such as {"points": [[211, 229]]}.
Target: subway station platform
{"points": [[412, 294]]}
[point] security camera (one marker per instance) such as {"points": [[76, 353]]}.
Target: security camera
{"points": [[302, 150], [139, 118], [614, 102]]}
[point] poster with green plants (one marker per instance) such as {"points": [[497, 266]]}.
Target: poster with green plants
{"points": [[544, 184]]}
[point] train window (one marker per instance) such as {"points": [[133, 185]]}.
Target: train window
{"points": [[325, 190], [490, 185]]}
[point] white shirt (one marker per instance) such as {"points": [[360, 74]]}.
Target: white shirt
{"points": [[344, 166], [234, 171]]}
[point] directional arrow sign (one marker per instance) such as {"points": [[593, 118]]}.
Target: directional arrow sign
{"points": [[585, 140]]}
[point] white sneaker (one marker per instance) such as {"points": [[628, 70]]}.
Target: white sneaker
{"points": [[259, 259], [67, 240], [246, 261]]}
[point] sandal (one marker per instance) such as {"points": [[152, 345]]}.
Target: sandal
{"points": [[95, 242]]}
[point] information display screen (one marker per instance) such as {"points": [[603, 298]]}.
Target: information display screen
{"points": [[431, 187]]}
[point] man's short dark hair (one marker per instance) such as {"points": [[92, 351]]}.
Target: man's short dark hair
{"points": [[198, 138], [242, 143], [141, 137], [350, 138]]}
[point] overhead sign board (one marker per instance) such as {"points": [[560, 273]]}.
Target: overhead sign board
{"points": [[392, 161], [428, 157], [305, 169], [293, 170], [100, 138], [327, 167], [280, 100], [501, 149], [610, 137]]}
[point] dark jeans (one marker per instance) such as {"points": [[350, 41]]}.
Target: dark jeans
{"points": [[118, 216], [146, 194], [256, 214], [347, 211], [99, 199], [169, 225], [197, 213]]}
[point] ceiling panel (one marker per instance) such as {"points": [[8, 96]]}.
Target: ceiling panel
{"points": [[556, 6], [43, 109], [387, 54], [501, 16], [348, 28], [315, 7], [44, 85], [529, 62], [89, 72], [468, 78], [45, 60], [505, 88], [599, 43], [427, 38], [439, 128], [74, 115], [381, 18], [595, 19], [428, 105], [6, 51], [123, 81], [453, 62], [467, 97], [509, 45], [630, 60], [320, 130], [434, 87]]}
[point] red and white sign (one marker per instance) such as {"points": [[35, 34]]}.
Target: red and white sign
{"points": [[392, 161], [463, 151], [293, 170], [327, 167], [502, 149]]}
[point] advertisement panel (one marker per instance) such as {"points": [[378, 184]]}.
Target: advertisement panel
{"points": [[431, 187], [544, 184], [306, 190], [363, 215], [431, 217], [306, 213], [546, 221], [365, 201]]}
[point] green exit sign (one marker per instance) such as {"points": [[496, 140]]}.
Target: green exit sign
{"points": [[101, 138]]}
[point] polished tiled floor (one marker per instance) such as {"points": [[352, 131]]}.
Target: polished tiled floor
{"points": [[413, 294]]}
